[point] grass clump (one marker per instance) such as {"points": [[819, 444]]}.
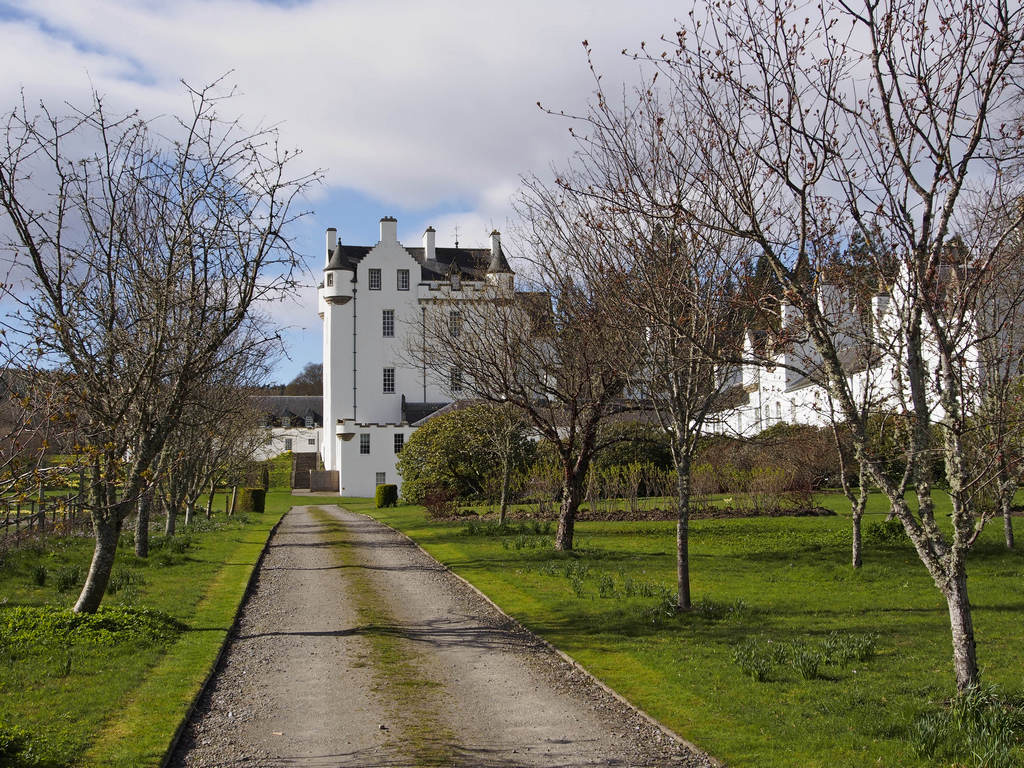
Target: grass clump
{"points": [[978, 728], [764, 659], [67, 578], [753, 660]]}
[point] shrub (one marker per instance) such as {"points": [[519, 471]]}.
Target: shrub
{"points": [[439, 503], [250, 500], [387, 495], [39, 575], [16, 746], [885, 532]]}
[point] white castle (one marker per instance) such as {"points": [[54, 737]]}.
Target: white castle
{"points": [[374, 300], [377, 302]]}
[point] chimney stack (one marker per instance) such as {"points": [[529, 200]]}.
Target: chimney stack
{"points": [[495, 243], [429, 252], [389, 229], [332, 241]]}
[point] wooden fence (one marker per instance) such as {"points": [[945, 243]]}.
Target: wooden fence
{"points": [[24, 518]]}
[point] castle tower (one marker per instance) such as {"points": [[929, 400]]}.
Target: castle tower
{"points": [[337, 290]]}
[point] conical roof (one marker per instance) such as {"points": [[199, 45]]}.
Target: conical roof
{"points": [[498, 262]]}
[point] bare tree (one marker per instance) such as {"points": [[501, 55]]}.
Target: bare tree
{"points": [[548, 352], [668, 287], [218, 428], [807, 123], [143, 259]]}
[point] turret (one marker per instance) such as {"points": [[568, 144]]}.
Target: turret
{"points": [[338, 273], [499, 273]]}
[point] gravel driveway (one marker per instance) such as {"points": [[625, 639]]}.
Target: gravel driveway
{"points": [[357, 649]]}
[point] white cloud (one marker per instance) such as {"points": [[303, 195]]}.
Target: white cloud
{"points": [[405, 101]]}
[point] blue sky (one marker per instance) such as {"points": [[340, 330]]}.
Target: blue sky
{"points": [[423, 111]]}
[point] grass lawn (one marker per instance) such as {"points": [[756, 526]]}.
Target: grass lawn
{"points": [[761, 584], [115, 693]]}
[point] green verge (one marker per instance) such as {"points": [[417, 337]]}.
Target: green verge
{"points": [[117, 702], [761, 583]]}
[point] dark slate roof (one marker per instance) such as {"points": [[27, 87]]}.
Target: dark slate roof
{"points": [[418, 413], [472, 263], [278, 407], [347, 256]]}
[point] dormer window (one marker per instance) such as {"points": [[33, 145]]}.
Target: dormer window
{"points": [[456, 281], [309, 422], [330, 279]]}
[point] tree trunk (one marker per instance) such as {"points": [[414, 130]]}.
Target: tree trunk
{"points": [[505, 471], [106, 531], [234, 496], [190, 512], [860, 503], [683, 601], [209, 501], [857, 561], [142, 525], [965, 650], [1007, 504], [571, 497], [171, 523]]}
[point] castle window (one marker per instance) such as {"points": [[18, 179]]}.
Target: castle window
{"points": [[389, 381], [364, 444], [456, 380], [454, 322], [287, 443], [399, 442], [311, 441], [389, 323], [382, 478], [403, 279], [374, 279], [330, 279]]}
